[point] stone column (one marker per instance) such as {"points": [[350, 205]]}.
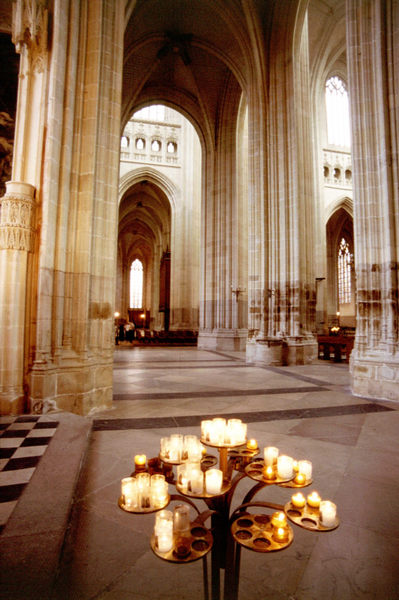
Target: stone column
{"points": [[281, 209], [373, 63], [223, 268], [16, 242]]}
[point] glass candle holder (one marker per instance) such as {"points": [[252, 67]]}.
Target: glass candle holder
{"points": [[270, 455], [165, 447], [159, 490], [163, 530], [176, 447], [218, 431], [305, 467], [129, 491], [328, 513], [206, 425], [195, 478], [213, 481], [181, 519], [144, 489], [285, 466], [181, 473]]}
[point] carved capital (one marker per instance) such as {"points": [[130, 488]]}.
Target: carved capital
{"points": [[30, 24], [17, 217]]}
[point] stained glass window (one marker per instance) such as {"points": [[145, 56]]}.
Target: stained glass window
{"points": [[136, 284], [344, 272]]}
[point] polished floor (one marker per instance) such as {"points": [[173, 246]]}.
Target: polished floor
{"points": [[306, 411]]}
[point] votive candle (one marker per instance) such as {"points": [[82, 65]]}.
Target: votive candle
{"points": [[213, 481], [305, 467], [270, 455], [279, 519], [328, 513], [313, 500], [285, 467], [298, 500], [252, 444]]}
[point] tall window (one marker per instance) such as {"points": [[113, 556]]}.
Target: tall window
{"points": [[136, 284], [337, 107], [344, 272]]}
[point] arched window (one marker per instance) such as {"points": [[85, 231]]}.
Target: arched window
{"points": [[156, 146], [172, 147], [344, 272], [140, 143], [136, 284], [124, 141], [337, 107]]}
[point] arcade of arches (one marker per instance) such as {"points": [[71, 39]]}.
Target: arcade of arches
{"points": [[268, 231]]}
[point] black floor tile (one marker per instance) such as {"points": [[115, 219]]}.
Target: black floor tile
{"points": [[36, 441], [46, 425], [8, 493], [15, 433], [26, 462], [6, 452]]}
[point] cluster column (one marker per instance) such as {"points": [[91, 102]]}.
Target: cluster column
{"points": [[373, 62]]}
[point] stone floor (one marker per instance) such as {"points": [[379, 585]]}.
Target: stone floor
{"points": [[306, 411]]}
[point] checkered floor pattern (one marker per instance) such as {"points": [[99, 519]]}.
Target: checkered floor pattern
{"points": [[23, 441]]}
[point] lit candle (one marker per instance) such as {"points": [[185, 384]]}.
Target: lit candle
{"points": [[144, 490], [314, 500], [205, 429], [279, 519], [163, 530], [305, 467], [140, 462], [270, 455], [300, 479], [298, 500], [217, 432], [195, 478], [269, 472], [213, 481], [129, 491], [165, 542], [328, 513], [285, 468], [176, 447], [182, 475], [252, 444], [159, 490], [280, 534]]}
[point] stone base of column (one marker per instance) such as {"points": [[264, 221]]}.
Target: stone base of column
{"points": [[282, 351], [79, 389], [223, 339], [299, 351], [267, 351], [375, 377], [12, 404]]}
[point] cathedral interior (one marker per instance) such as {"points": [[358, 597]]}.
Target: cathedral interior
{"points": [[199, 218]]}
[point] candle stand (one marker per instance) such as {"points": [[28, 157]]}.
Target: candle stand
{"points": [[230, 529]]}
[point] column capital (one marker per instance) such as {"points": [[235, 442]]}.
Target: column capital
{"points": [[17, 217]]}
